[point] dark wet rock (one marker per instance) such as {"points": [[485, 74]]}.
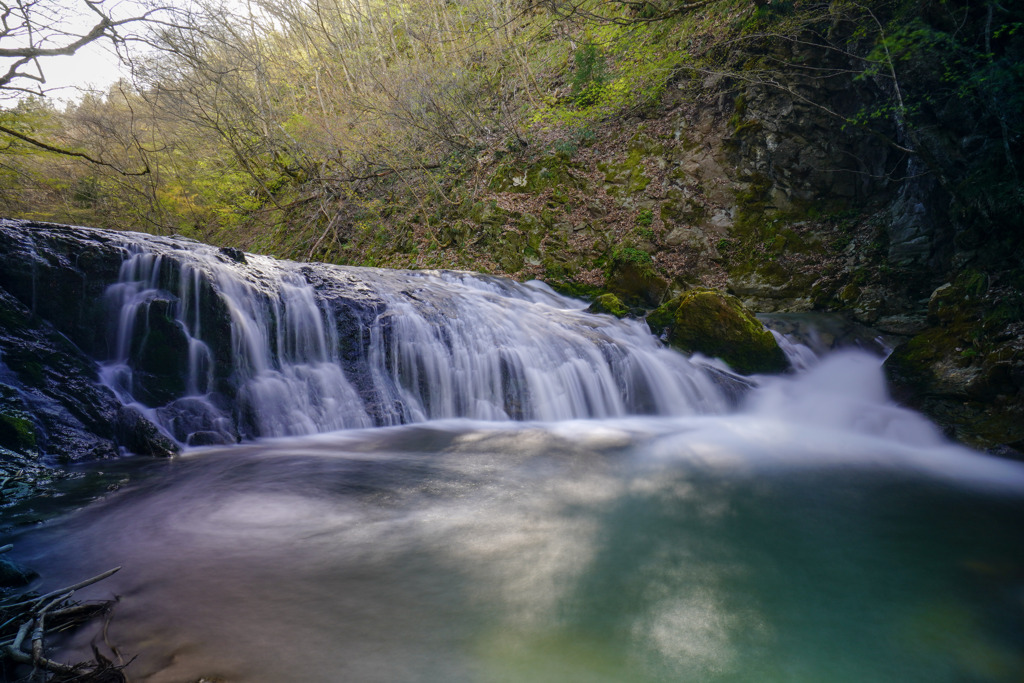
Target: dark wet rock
{"points": [[825, 332], [208, 439], [186, 417], [632, 279], [51, 402], [734, 387], [59, 273], [136, 434], [14, 575], [236, 255], [159, 354]]}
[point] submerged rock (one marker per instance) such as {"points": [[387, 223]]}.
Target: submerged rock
{"points": [[14, 575], [715, 324]]}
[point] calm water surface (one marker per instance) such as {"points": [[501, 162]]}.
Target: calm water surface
{"points": [[818, 534]]}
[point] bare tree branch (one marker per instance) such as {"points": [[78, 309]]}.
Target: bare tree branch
{"points": [[69, 152]]}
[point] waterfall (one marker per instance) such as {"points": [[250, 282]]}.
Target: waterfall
{"points": [[214, 347]]}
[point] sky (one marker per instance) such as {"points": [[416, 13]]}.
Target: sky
{"points": [[93, 66]]}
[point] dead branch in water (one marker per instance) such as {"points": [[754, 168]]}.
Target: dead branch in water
{"points": [[25, 623]]}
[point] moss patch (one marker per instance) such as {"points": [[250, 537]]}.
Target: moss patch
{"points": [[549, 172], [626, 178], [17, 433], [705, 321], [609, 303]]}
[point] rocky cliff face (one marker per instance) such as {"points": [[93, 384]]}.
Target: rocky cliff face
{"points": [[51, 297], [53, 409]]}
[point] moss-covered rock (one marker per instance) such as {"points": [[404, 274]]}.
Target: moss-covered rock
{"points": [[609, 303], [715, 324], [549, 172], [966, 370], [17, 432], [631, 276]]}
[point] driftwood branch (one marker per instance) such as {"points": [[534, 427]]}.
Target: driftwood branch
{"points": [[38, 616]]}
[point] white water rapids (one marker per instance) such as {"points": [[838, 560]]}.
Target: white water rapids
{"points": [[634, 524]]}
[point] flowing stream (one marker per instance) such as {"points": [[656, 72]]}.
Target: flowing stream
{"points": [[477, 481]]}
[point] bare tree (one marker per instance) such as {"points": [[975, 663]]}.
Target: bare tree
{"points": [[32, 32]]}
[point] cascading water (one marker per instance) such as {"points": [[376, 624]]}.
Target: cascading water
{"points": [[573, 502], [282, 375], [426, 346]]}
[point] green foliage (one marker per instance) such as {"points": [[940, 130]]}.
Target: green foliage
{"points": [[588, 81], [645, 219], [621, 66], [632, 255]]}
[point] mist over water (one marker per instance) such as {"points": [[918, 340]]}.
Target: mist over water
{"points": [[817, 533]]}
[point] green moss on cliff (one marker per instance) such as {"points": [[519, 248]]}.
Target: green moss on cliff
{"points": [[628, 177], [549, 172], [966, 370], [17, 432]]}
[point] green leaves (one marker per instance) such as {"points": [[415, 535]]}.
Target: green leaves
{"points": [[589, 79]]}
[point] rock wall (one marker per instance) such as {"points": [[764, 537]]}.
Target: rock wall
{"points": [[52, 405]]}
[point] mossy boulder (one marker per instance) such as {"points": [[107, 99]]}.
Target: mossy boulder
{"points": [[609, 303], [716, 324], [553, 171], [631, 276]]}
